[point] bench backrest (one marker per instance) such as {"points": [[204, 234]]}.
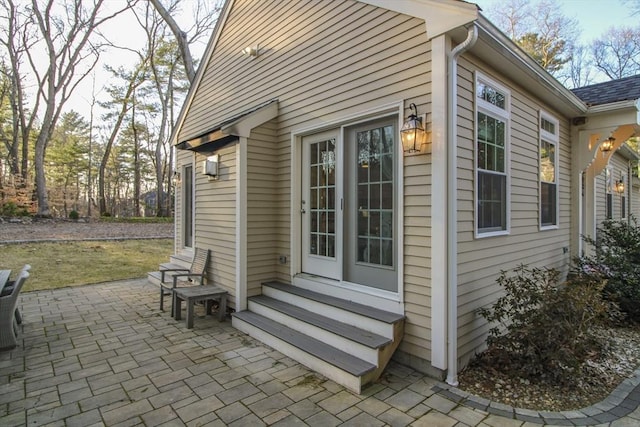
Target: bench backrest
{"points": [[200, 261]]}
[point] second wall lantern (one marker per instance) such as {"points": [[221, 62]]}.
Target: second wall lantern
{"points": [[413, 134]]}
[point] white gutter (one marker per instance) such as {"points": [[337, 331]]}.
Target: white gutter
{"points": [[452, 205]]}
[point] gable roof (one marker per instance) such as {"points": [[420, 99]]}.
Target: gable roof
{"points": [[624, 89]]}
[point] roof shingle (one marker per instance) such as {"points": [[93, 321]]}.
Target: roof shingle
{"points": [[624, 89]]}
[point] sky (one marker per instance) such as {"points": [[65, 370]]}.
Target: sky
{"points": [[595, 17]]}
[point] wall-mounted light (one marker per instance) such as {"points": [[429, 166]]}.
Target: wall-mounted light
{"points": [[176, 178], [607, 144], [620, 186], [253, 51], [412, 133]]}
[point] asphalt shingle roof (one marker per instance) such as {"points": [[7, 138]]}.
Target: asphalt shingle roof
{"points": [[624, 89]]}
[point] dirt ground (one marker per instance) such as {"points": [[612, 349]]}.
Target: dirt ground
{"points": [[47, 229]]}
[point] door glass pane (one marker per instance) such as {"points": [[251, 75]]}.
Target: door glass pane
{"points": [[322, 204], [375, 196]]}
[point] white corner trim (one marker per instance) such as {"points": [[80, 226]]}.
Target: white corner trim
{"points": [[438, 303], [241, 225]]}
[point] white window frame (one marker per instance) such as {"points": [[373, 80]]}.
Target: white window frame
{"points": [[551, 138], [482, 106]]}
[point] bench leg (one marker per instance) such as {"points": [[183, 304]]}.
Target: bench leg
{"points": [[222, 308], [190, 307], [176, 308]]}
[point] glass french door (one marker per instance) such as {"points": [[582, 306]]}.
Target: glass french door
{"points": [[349, 215], [320, 237], [370, 224]]}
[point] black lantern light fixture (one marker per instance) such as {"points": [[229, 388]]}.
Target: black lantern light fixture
{"points": [[620, 186], [412, 133], [607, 144]]}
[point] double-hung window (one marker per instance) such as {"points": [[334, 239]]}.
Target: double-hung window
{"points": [[549, 140], [493, 118]]}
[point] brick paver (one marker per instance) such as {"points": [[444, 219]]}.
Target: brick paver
{"points": [[105, 355]]}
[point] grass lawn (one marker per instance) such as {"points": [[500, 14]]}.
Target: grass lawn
{"points": [[56, 265]]}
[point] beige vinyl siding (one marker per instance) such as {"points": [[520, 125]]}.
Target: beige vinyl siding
{"points": [[215, 218], [323, 60], [262, 206], [481, 259], [417, 256]]}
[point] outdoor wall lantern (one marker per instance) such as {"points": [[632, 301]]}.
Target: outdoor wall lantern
{"points": [[412, 133], [176, 178], [620, 186], [607, 144]]}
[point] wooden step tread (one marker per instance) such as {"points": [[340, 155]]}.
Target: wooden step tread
{"points": [[173, 266], [338, 358], [345, 330], [354, 307]]}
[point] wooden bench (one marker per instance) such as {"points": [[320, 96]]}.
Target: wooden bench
{"points": [[175, 276], [204, 293]]}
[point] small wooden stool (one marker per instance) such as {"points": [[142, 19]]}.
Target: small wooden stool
{"points": [[193, 294]]}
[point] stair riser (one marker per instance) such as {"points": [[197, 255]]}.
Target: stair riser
{"points": [[339, 376], [371, 355], [366, 323]]}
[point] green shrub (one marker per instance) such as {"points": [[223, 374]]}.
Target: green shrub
{"points": [[11, 209], [616, 259], [542, 327], [74, 215]]}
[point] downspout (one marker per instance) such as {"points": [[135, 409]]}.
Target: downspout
{"points": [[452, 204]]}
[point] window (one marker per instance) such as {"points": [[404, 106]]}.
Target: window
{"points": [[492, 164], [549, 139], [608, 188]]}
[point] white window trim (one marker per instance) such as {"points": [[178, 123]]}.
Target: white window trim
{"points": [[554, 139], [497, 112]]}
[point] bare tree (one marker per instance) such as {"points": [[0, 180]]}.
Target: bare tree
{"points": [[634, 5], [18, 38], [617, 52], [204, 20], [64, 31], [579, 71], [541, 30], [121, 101]]}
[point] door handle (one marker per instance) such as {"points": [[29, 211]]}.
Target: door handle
{"points": [[302, 209]]}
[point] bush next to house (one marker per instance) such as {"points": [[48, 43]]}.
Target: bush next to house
{"points": [[543, 327], [616, 259]]}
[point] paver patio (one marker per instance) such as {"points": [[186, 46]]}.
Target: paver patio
{"points": [[105, 355]]}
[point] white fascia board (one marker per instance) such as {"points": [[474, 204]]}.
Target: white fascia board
{"points": [[440, 16], [633, 105]]}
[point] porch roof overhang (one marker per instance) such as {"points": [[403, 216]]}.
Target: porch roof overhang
{"points": [[620, 120], [230, 130]]}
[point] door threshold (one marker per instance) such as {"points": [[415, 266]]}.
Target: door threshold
{"points": [[383, 300]]}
